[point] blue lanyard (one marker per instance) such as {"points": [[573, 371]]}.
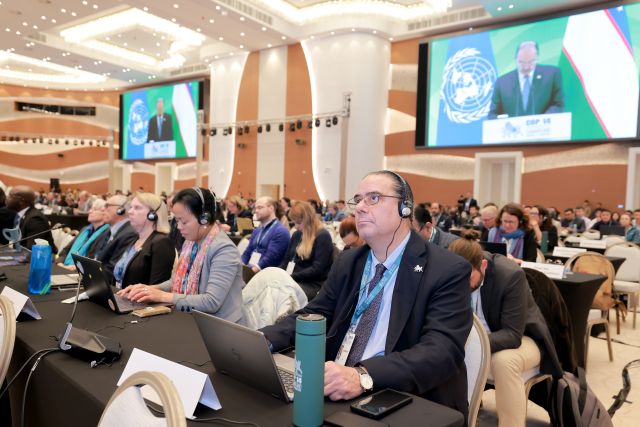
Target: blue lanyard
{"points": [[264, 232], [366, 302]]}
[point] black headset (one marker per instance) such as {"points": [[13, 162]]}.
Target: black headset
{"points": [[405, 204], [153, 214], [206, 217], [121, 209]]}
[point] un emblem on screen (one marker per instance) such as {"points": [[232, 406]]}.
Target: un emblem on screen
{"points": [[138, 122], [467, 86]]}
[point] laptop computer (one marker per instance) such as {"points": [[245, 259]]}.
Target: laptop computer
{"points": [[243, 354], [494, 248], [98, 288], [612, 230]]}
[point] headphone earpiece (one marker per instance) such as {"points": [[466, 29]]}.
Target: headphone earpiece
{"points": [[206, 217], [405, 204], [405, 207], [153, 214], [121, 209]]}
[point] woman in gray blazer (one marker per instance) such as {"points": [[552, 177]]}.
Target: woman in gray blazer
{"points": [[208, 276]]}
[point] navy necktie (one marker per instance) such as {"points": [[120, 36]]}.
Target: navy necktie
{"points": [[367, 321]]}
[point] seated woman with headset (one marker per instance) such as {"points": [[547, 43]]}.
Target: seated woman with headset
{"points": [[150, 258], [208, 276]]}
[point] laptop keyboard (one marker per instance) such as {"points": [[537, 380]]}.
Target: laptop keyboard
{"points": [[125, 304], [287, 380]]}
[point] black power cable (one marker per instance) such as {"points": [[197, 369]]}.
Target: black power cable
{"points": [[26, 385], [621, 397]]}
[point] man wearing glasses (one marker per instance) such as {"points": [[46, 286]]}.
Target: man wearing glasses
{"points": [[119, 236], [397, 308]]}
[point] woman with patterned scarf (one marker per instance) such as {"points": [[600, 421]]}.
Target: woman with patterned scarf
{"points": [[512, 228], [208, 275]]}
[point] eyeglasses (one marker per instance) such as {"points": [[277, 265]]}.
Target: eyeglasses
{"points": [[370, 199], [112, 204]]}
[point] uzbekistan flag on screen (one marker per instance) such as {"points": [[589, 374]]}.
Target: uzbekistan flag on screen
{"points": [[600, 72]]}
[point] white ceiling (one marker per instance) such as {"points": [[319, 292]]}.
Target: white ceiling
{"points": [[31, 29]]}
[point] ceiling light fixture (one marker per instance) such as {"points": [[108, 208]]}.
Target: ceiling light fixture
{"points": [[65, 74]]}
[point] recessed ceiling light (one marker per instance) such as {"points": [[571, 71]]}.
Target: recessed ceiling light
{"points": [[35, 27], [375, 32], [333, 33], [217, 7], [63, 10], [125, 44], [176, 5], [241, 34], [44, 18], [173, 19], [29, 69], [198, 30], [510, 6], [7, 29], [84, 2], [241, 46], [353, 30], [220, 38], [211, 21], [53, 20], [230, 53], [95, 6], [242, 18], [162, 37], [264, 28], [499, 8], [157, 54], [18, 32], [269, 45], [157, 43], [24, 24], [73, 14], [312, 37], [283, 37], [141, 49], [390, 39], [216, 57], [146, 9]]}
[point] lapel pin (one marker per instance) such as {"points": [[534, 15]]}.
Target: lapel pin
{"points": [[417, 269]]}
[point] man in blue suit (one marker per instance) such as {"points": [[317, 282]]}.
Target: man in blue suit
{"points": [[397, 308], [160, 125], [530, 88]]}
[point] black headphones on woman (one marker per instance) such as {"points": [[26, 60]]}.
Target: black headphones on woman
{"points": [[208, 215], [153, 214]]}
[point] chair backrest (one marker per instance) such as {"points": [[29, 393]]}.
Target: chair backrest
{"points": [[591, 235], [613, 240], [594, 263], [540, 256], [477, 357], [128, 408], [243, 244], [7, 335], [629, 271]]}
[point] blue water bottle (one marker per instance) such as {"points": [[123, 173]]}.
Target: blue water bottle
{"points": [[40, 268], [308, 382]]}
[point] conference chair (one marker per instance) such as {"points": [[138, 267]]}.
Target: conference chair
{"points": [[613, 240], [591, 235], [540, 256], [477, 358], [243, 244], [7, 335], [594, 263], [627, 280], [127, 407]]}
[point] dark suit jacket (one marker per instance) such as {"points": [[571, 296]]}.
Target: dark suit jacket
{"points": [[152, 264], [429, 322], [511, 311], [443, 238], [166, 130], [111, 254], [546, 94], [7, 217], [34, 222]]}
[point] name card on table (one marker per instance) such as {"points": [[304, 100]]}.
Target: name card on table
{"points": [[552, 271], [21, 303], [566, 252], [193, 386], [593, 244]]}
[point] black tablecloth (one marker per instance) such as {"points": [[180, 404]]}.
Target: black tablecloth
{"points": [[577, 245], [74, 222], [578, 290], [66, 391]]}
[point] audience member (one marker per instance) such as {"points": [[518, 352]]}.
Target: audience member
{"points": [[571, 222], [423, 226], [7, 216], [581, 215], [631, 232], [636, 217], [540, 221], [33, 224], [349, 233], [150, 258], [119, 236], [440, 219], [518, 334], [84, 203], [488, 216], [235, 209], [605, 219], [269, 242], [468, 202], [407, 339], [310, 252], [87, 242], [512, 228], [615, 217], [208, 276]]}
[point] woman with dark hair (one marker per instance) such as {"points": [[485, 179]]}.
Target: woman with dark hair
{"points": [[512, 228], [541, 221], [208, 276], [310, 253]]}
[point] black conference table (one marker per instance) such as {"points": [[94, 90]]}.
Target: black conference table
{"points": [[74, 222], [578, 291], [615, 261], [67, 391]]}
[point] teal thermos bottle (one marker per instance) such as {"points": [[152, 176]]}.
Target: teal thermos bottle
{"points": [[308, 395]]}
